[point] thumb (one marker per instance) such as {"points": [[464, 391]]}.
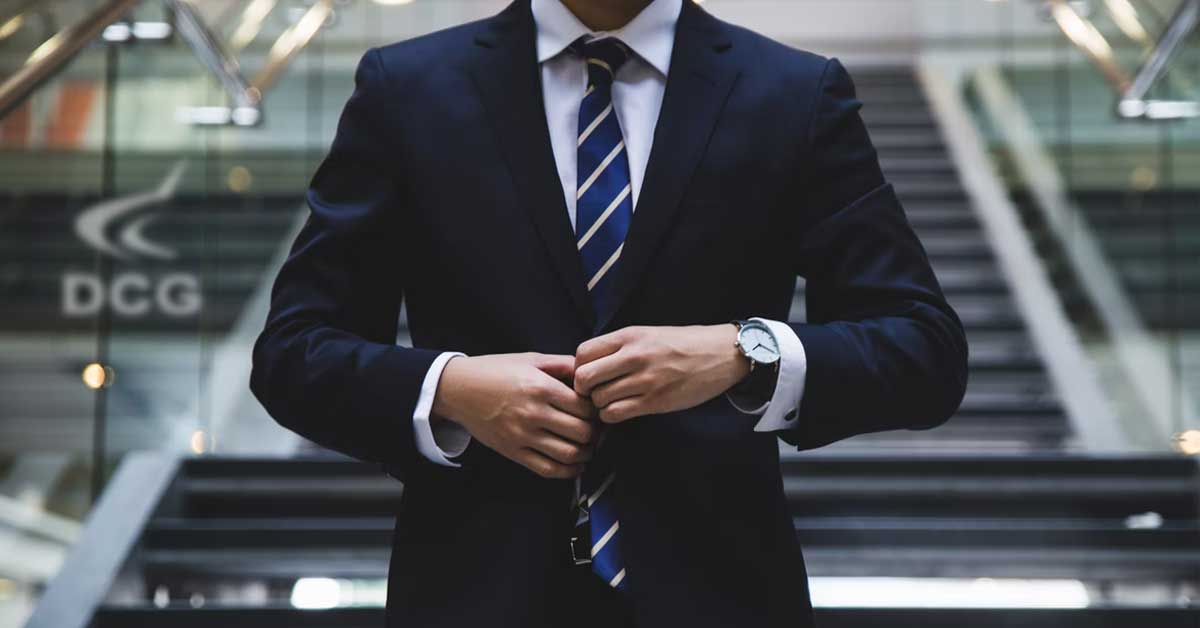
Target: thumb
{"points": [[561, 367]]}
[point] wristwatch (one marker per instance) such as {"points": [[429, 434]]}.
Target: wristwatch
{"points": [[756, 341]]}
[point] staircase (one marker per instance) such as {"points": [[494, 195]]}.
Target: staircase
{"points": [[226, 540]]}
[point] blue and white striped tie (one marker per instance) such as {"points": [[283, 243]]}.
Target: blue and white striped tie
{"points": [[603, 196], [603, 209]]}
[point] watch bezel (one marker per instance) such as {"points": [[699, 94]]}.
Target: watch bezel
{"points": [[742, 328]]}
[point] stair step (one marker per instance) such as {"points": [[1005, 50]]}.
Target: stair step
{"points": [[184, 616]]}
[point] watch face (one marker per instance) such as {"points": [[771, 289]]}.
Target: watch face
{"points": [[758, 344]]}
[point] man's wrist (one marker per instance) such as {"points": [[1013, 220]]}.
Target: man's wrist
{"points": [[739, 363], [444, 408]]}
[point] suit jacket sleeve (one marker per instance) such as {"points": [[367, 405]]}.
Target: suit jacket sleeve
{"points": [[326, 364], [885, 351]]}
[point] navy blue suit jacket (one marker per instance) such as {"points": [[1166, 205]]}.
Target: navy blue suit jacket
{"points": [[440, 190]]}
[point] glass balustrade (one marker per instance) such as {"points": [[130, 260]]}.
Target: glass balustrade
{"points": [[1111, 186]]}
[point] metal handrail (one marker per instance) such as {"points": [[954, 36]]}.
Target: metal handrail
{"points": [[1132, 91], [246, 98], [291, 42], [111, 534], [57, 51], [1081, 32], [1182, 24]]}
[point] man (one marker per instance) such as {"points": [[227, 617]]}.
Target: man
{"points": [[575, 198]]}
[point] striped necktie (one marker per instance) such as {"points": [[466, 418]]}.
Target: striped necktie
{"points": [[603, 209]]}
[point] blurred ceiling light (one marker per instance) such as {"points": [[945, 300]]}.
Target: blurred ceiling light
{"points": [[392, 3], [1143, 178], [1125, 16], [1144, 521], [245, 116], [162, 596], [253, 16], [1131, 108], [1158, 109], [316, 593], [206, 116], [97, 376], [947, 592], [1188, 442], [239, 179], [117, 31], [218, 115], [151, 30], [124, 31], [1171, 109], [200, 442], [11, 26]]}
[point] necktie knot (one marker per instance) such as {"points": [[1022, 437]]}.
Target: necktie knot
{"points": [[604, 57]]}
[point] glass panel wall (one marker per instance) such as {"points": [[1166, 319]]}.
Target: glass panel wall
{"points": [[1111, 185], [143, 210], [52, 164]]}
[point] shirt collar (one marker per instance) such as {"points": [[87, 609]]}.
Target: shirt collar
{"points": [[651, 34]]}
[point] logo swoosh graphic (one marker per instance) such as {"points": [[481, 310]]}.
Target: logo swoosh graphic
{"points": [[92, 223], [134, 240]]}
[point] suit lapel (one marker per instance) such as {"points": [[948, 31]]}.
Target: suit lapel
{"points": [[700, 79], [509, 82]]}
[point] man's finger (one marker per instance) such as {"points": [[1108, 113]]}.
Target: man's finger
{"points": [[559, 450], [623, 410], [567, 426], [607, 368], [560, 367], [600, 346], [546, 467], [619, 388], [565, 398]]}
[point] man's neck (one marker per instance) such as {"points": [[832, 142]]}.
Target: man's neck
{"points": [[606, 15]]}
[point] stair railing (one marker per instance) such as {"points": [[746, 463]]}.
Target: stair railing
{"points": [[245, 96], [114, 526], [1090, 411], [56, 52], [1133, 90], [1146, 370]]}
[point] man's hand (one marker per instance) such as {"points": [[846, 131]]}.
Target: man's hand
{"points": [[650, 370], [518, 405]]}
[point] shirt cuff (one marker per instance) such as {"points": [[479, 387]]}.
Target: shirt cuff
{"points": [[780, 411], [439, 442]]}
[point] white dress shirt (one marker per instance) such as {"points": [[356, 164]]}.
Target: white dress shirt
{"points": [[637, 95]]}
